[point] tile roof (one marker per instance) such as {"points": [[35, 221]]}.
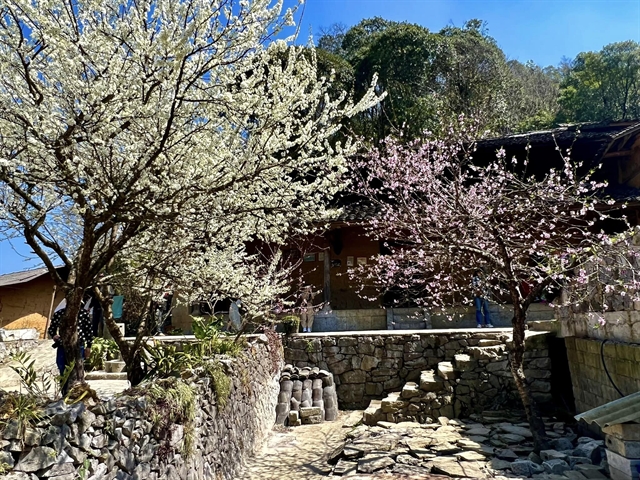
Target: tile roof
{"points": [[597, 132], [22, 277]]}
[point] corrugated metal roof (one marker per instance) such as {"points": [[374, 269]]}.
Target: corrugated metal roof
{"points": [[626, 409], [22, 277]]}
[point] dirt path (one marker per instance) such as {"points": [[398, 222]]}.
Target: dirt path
{"points": [[299, 453]]}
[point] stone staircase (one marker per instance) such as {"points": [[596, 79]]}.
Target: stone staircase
{"points": [[420, 402], [478, 380]]}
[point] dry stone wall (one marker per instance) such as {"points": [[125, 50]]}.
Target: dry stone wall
{"points": [[121, 438], [368, 367]]}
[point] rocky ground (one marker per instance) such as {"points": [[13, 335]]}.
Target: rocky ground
{"points": [[493, 445]]}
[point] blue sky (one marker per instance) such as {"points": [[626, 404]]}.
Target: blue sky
{"points": [[540, 30]]}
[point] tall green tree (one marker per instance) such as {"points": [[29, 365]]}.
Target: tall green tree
{"points": [[535, 95], [477, 79], [603, 85]]}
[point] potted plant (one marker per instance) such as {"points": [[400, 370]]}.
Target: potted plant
{"points": [[291, 324]]}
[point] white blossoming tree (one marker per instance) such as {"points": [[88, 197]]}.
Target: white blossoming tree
{"points": [[443, 215], [127, 122]]}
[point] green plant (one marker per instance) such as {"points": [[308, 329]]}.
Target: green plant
{"points": [[4, 468], [22, 408], [173, 402], [36, 384], [291, 323], [83, 471], [103, 350], [310, 346], [211, 341], [221, 382], [165, 361]]}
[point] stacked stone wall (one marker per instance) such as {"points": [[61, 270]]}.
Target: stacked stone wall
{"points": [[368, 367], [591, 385], [121, 438]]}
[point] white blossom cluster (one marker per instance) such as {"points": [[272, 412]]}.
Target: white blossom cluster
{"points": [[170, 134]]}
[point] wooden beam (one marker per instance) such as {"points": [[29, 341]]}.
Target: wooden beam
{"points": [[623, 153], [326, 291]]}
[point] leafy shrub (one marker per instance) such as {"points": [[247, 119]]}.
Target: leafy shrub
{"points": [[103, 350]]}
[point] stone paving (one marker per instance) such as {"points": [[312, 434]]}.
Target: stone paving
{"points": [[493, 445]]}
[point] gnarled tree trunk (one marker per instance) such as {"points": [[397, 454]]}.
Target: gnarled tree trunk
{"points": [[516, 363]]}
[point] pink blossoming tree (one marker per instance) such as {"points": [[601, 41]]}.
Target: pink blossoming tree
{"points": [[443, 215]]}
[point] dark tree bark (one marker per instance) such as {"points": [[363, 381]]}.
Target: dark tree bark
{"points": [[68, 331], [131, 353], [516, 363]]}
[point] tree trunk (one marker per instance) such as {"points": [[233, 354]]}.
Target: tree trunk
{"points": [[516, 362], [130, 353], [68, 331]]}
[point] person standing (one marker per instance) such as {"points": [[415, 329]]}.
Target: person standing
{"points": [[306, 309], [85, 336], [481, 299]]}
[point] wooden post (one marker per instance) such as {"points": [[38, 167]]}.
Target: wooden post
{"points": [[53, 299], [326, 292]]}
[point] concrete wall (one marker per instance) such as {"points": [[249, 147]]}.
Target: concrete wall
{"points": [[621, 326], [367, 366], [125, 438], [591, 385], [26, 305]]}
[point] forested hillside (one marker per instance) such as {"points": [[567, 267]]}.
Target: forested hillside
{"points": [[429, 76]]}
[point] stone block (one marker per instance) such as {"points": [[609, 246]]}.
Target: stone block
{"points": [[594, 451], [410, 390], [464, 362], [354, 376], [624, 431], [625, 465], [446, 371], [306, 412], [556, 466], [552, 455], [626, 448], [429, 382], [37, 459]]}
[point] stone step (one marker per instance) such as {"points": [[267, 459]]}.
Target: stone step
{"points": [[446, 371], [410, 390], [409, 325], [544, 325], [430, 382], [102, 375]]}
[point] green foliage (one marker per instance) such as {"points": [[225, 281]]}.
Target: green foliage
{"points": [[291, 323], [211, 340], [173, 402], [83, 471], [603, 85], [165, 361], [4, 468], [39, 384], [36, 384], [24, 409], [221, 382], [429, 76], [103, 350]]}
